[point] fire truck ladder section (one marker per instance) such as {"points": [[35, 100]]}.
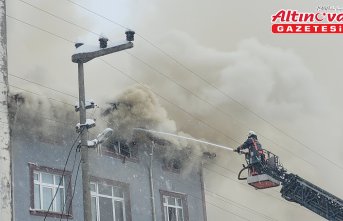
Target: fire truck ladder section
{"points": [[294, 188]]}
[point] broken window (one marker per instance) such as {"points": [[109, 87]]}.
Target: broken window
{"points": [[122, 149]]}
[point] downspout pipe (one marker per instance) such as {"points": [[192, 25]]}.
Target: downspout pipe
{"points": [[152, 183]]}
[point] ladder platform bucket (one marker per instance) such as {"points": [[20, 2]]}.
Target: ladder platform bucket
{"points": [[262, 181]]}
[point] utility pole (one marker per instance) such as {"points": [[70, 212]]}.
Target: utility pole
{"points": [[5, 151], [84, 146], [80, 57]]}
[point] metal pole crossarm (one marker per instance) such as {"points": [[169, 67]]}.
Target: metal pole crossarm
{"points": [[86, 55]]}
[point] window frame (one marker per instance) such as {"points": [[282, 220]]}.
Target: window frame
{"points": [[181, 196], [67, 191], [126, 194], [116, 154]]}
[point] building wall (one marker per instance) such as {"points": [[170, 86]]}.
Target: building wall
{"points": [[28, 150], [5, 156], [25, 151]]}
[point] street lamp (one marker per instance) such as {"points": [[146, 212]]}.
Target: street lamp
{"points": [[102, 137], [85, 53]]}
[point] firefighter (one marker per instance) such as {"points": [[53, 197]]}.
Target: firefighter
{"points": [[254, 156]]}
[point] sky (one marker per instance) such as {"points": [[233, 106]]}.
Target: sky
{"points": [[218, 71]]}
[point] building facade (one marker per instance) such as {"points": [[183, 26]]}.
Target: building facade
{"points": [[122, 177]]}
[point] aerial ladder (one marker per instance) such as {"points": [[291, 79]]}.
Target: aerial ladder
{"points": [[268, 172], [271, 173]]}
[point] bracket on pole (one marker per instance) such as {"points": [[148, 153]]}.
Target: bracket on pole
{"points": [[89, 105], [89, 124]]}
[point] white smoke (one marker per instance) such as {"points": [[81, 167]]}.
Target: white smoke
{"points": [[256, 74]]}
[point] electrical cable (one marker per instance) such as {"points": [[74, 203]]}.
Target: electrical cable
{"points": [[72, 196], [85, 8], [68, 186], [58, 17], [53, 99], [63, 172], [34, 26], [41, 85]]}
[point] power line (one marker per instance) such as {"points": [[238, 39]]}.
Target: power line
{"points": [[235, 214], [213, 171], [60, 18], [175, 60], [95, 13], [36, 27], [53, 99], [234, 180], [227, 200], [41, 85]]}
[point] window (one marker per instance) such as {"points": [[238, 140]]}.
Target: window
{"points": [[174, 206], [110, 201], [121, 149], [45, 182]]}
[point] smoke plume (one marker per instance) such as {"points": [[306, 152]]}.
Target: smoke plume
{"points": [[138, 107]]}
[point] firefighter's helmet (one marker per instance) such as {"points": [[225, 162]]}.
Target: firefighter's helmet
{"points": [[251, 133]]}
